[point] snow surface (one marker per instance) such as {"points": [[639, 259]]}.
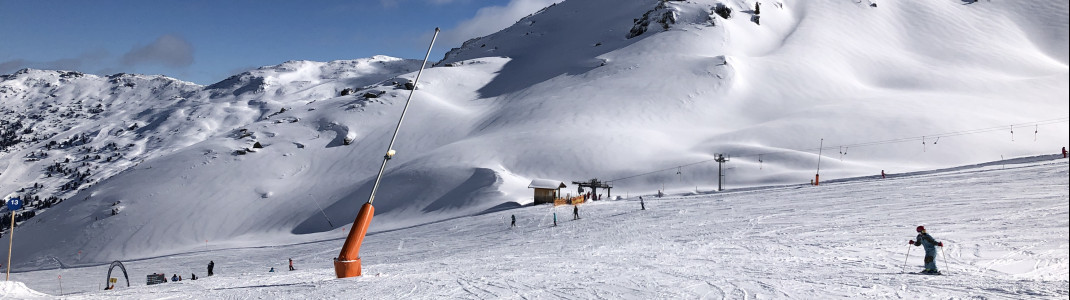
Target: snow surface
{"points": [[18, 290], [1005, 228], [562, 95]]}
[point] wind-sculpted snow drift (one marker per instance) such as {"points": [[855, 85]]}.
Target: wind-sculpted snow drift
{"points": [[563, 94]]}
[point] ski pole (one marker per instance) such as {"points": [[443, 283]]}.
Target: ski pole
{"points": [[904, 268], [944, 253]]}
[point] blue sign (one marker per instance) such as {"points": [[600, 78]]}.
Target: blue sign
{"points": [[14, 204]]}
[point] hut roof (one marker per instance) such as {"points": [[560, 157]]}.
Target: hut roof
{"points": [[546, 184]]}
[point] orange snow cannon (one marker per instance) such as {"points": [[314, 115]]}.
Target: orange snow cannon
{"points": [[348, 262]]}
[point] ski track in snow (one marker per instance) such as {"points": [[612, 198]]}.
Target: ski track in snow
{"points": [[1005, 231]]}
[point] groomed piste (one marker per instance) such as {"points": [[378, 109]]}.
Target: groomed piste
{"points": [[1003, 226]]}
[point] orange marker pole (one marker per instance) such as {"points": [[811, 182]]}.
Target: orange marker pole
{"points": [[348, 262], [817, 177]]}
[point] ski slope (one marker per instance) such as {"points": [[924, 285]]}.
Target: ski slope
{"points": [[568, 93], [1005, 229]]}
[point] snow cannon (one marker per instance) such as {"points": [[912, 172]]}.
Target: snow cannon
{"points": [[348, 262]]}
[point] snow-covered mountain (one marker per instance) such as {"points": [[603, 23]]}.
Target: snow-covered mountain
{"points": [[583, 89]]}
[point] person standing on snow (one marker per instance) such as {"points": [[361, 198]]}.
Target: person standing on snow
{"points": [[514, 221], [641, 204], [211, 265], [575, 212], [291, 264], [930, 244]]}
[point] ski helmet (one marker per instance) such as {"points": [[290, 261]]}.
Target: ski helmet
{"points": [[921, 228]]}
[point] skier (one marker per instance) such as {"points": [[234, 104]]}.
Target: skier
{"points": [[924, 239], [641, 204], [555, 218], [882, 174], [514, 221], [211, 265], [575, 212], [1064, 152], [291, 264]]}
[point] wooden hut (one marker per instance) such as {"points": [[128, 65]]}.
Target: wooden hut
{"points": [[546, 190]]}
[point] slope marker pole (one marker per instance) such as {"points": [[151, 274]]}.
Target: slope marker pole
{"points": [[11, 242], [817, 177]]}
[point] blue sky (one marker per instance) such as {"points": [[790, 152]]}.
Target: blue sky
{"points": [[207, 41]]}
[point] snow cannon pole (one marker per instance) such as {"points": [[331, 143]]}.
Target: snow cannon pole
{"points": [[348, 262]]}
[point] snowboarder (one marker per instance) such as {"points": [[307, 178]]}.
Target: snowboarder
{"points": [[272, 270], [174, 277], [575, 212], [514, 221], [924, 239], [192, 276], [641, 204], [291, 264], [211, 265]]}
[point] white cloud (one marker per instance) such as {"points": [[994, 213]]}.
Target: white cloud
{"points": [[168, 50], [491, 19]]}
